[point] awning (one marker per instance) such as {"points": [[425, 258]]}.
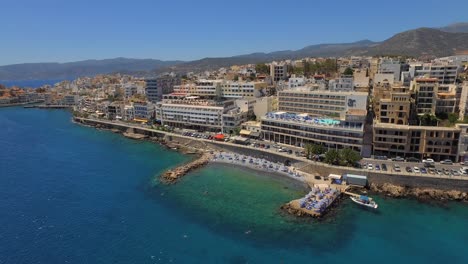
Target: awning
{"points": [[255, 134], [334, 176], [245, 132]]}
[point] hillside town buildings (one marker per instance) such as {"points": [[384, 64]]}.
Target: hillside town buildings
{"points": [[391, 106]]}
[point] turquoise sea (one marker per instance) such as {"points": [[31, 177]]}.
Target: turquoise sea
{"points": [[72, 194]]}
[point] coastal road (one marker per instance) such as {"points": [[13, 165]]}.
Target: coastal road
{"points": [[292, 156]]}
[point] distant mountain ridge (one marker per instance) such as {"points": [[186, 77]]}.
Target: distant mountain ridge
{"points": [[439, 42], [319, 50], [461, 27], [419, 42], [70, 70]]}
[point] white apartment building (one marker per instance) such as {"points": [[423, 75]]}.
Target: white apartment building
{"points": [[203, 88], [157, 87], [143, 110], [321, 103], [243, 89], [221, 88], [130, 90], [446, 73], [70, 99], [294, 82], [196, 113], [390, 66], [344, 83], [128, 113]]}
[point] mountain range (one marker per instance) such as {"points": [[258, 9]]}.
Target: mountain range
{"points": [[438, 42]]}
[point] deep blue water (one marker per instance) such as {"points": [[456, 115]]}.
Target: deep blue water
{"points": [[72, 194], [29, 83]]}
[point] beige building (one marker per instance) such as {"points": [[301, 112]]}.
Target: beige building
{"points": [[438, 143], [425, 90], [392, 104]]}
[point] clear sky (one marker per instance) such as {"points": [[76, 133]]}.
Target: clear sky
{"points": [[69, 30]]}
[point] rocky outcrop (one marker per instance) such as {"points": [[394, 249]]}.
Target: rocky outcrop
{"points": [[419, 193], [292, 210], [171, 176]]}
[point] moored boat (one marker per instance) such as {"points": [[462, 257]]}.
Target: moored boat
{"points": [[365, 201]]}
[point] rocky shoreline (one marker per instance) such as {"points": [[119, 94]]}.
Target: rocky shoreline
{"points": [[396, 191], [387, 189]]}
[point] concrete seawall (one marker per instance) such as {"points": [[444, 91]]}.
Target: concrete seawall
{"points": [[311, 167]]}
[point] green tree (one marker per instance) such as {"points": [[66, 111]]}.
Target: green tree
{"points": [[348, 71], [332, 157], [318, 149], [452, 118], [428, 120], [298, 71], [349, 157], [262, 68], [308, 150]]}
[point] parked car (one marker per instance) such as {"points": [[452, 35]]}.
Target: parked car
{"points": [[398, 159], [447, 161], [377, 167], [423, 170], [439, 172], [370, 166], [384, 167], [429, 164], [416, 170], [412, 159], [396, 168], [432, 171], [408, 169], [455, 172], [428, 160], [381, 157], [282, 150]]}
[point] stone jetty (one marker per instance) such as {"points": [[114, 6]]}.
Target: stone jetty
{"points": [[171, 176]]}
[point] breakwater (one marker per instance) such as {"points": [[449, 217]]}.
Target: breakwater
{"points": [[173, 175]]}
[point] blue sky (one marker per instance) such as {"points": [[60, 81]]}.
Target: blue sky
{"points": [[62, 30]]}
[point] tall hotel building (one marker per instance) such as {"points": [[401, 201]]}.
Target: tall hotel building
{"points": [[332, 119]]}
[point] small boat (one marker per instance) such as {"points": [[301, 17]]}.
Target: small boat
{"points": [[365, 201]]}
